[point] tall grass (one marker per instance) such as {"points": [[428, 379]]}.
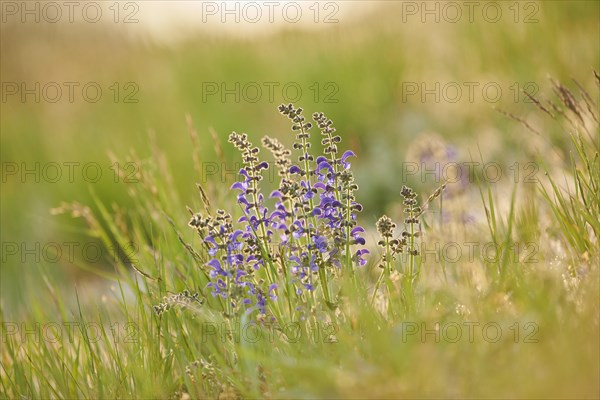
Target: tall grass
{"points": [[184, 322]]}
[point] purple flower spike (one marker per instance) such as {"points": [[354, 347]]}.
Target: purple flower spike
{"points": [[310, 204]]}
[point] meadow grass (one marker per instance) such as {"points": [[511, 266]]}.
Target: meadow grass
{"points": [[411, 322]]}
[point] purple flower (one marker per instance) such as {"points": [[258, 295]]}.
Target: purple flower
{"points": [[217, 269], [243, 186], [321, 243], [324, 164], [271, 291], [276, 193], [347, 153], [320, 186], [359, 257], [356, 235], [314, 204]]}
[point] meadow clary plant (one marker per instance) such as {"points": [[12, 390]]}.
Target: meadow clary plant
{"points": [[298, 246]]}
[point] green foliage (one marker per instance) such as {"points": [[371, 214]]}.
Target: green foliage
{"points": [[478, 328]]}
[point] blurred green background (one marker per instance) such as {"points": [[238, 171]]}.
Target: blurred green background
{"points": [[357, 70]]}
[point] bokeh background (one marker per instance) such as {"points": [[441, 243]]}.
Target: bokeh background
{"points": [[157, 62]]}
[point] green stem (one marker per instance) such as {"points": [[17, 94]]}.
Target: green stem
{"points": [[377, 285], [263, 234], [348, 217], [411, 250], [322, 272]]}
